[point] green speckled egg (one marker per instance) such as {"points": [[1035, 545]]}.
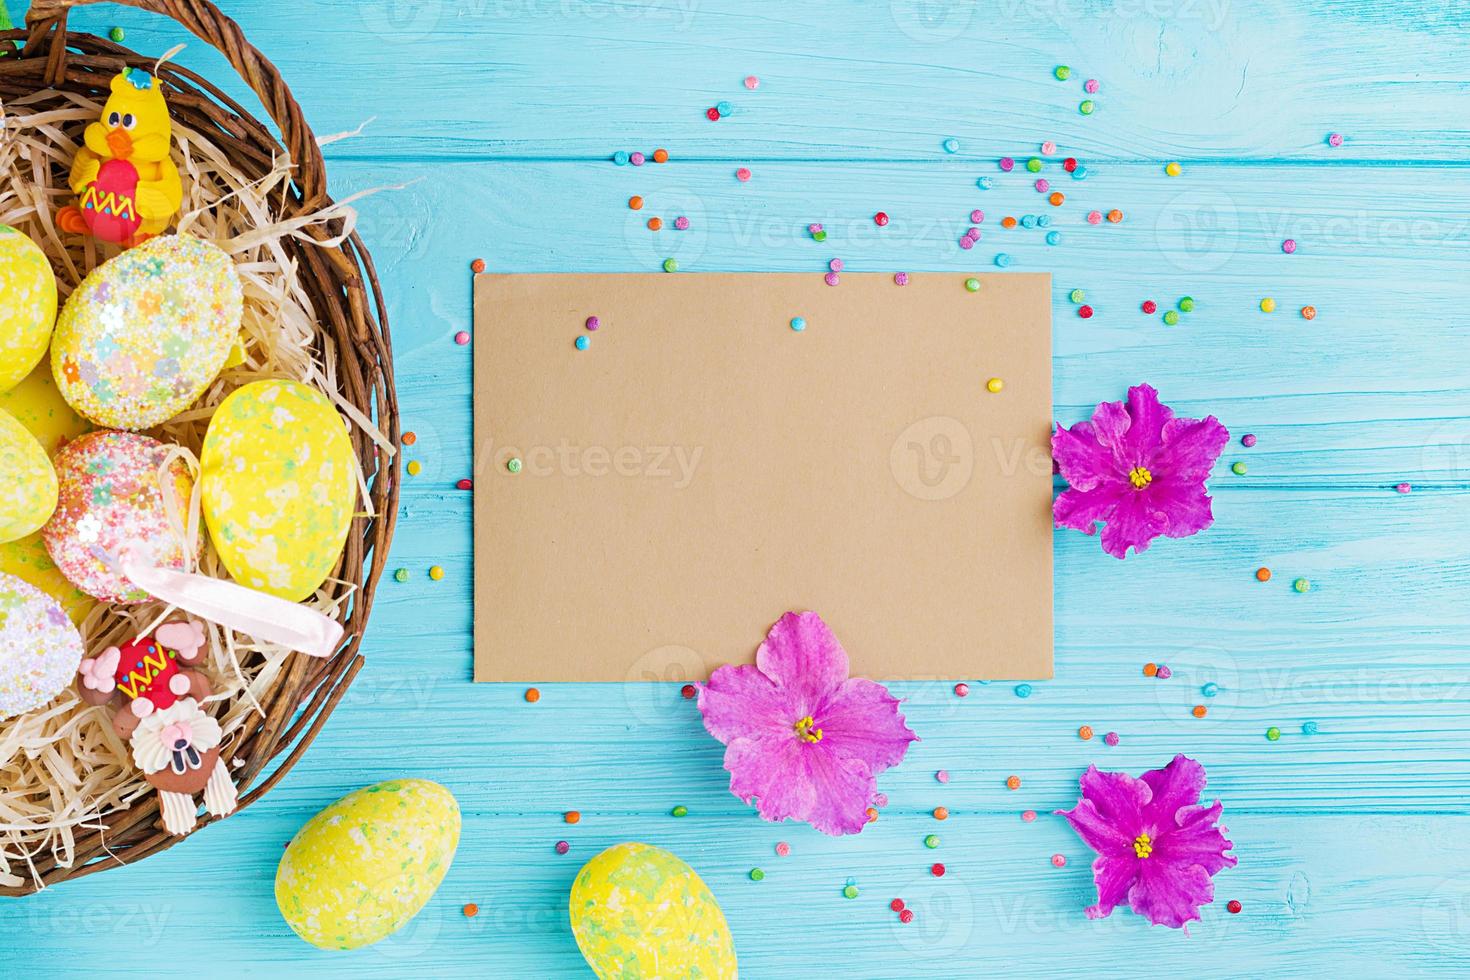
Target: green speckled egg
{"points": [[365, 865], [639, 912]]}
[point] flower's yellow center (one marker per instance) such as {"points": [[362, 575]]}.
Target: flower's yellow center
{"points": [[1140, 477], [805, 730], [1142, 846]]}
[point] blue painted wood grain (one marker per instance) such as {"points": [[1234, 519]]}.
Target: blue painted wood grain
{"points": [[1352, 842]]}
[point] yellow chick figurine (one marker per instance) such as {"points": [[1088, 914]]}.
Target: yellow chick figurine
{"points": [[127, 186]]}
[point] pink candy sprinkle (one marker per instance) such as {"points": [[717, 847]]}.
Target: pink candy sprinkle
{"points": [[1043, 185], [462, 338], [1048, 148], [972, 233], [1090, 86], [813, 228], [562, 847], [967, 243], [636, 159], [743, 174], [1094, 217], [593, 323], [1029, 816], [466, 484], [1111, 738], [681, 223], [832, 278], [1164, 672], [752, 83], [1248, 440], [880, 799], [977, 216], [835, 265], [942, 775], [1334, 139], [1289, 246], [1007, 164], [783, 849], [906, 916], [902, 279], [962, 690], [1059, 860], [1403, 488]]}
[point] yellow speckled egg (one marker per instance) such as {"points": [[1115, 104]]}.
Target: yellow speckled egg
{"points": [[144, 334], [27, 306], [365, 865], [278, 485], [36, 404], [639, 911], [27, 481]]}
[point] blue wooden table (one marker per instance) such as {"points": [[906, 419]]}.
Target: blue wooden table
{"points": [[502, 115]]}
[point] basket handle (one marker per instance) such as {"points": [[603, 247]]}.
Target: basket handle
{"points": [[205, 21]]}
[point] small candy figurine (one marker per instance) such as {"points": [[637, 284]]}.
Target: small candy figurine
{"points": [[127, 186], [173, 741]]}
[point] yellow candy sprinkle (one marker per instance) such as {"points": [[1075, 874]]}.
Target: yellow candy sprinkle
{"points": [[1172, 169], [436, 572], [1268, 305], [414, 467], [994, 385]]}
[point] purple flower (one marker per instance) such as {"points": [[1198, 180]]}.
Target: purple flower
{"points": [[1157, 847], [1138, 470], [802, 737]]}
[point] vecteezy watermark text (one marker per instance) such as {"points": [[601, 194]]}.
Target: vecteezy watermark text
{"points": [[678, 464]]}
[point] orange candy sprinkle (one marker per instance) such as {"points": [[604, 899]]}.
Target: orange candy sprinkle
{"points": [[533, 695], [660, 156], [409, 438], [1309, 313], [572, 816], [941, 813], [654, 224], [872, 814], [1115, 216], [477, 266], [1056, 198], [635, 202], [1085, 733], [1150, 670], [1008, 222], [1199, 711], [471, 910], [1263, 574], [1013, 782]]}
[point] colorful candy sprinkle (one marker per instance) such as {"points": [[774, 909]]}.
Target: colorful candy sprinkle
{"points": [[671, 265], [1248, 440], [636, 159], [1404, 487], [850, 891], [896, 905], [401, 575], [1238, 468], [1263, 574], [962, 690], [436, 572], [1301, 585], [1111, 738], [900, 278], [951, 145], [1022, 690], [1091, 86], [1058, 860], [688, 691], [832, 278], [1150, 669], [1173, 169], [1199, 711], [1085, 733], [1289, 246], [1268, 305], [1007, 164], [465, 484], [681, 223], [414, 467], [880, 219], [931, 841], [582, 343], [1084, 311], [1086, 107], [679, 811], [635, 202], [1233, 907], [562, 847], [1273, 734], [532, 695], [660, 156], [742, 174], [995, 386], [798, 323], [462, 338], [1149, 306], [1334, 139], [1210, 689], [1309, 313], [752, 83], [1013, 782], [1028, 816], [1062, 72], [936, 869], [972, 284], [513, 464], [470, 910], [756, 874], [477, 266], [941, 776], [783, 849], [1171, 317], [941, 813], [906, 916]]}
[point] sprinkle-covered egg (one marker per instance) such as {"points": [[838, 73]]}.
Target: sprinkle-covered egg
{"points": [[638, 910], [365, 865], [39, 647], [111, 499], [144, 334], [278, 484], [27, 306], [36, 404], [27, 482]]}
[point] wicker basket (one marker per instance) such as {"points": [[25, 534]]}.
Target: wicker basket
{"points": [[344, 290]]}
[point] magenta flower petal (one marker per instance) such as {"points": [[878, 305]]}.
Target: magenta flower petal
{"points": [[1133, 523], [1189, 448], [1156, 846], [802, 739], [803, 658], [790, 781], [1136, 470], [861, 721], [1080, 458], [1177, 785], [1148, 419], [1169, 894], [742, 702], [1114, 876]]}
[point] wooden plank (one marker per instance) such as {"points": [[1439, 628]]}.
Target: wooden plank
{"points": [[1181, 79]]}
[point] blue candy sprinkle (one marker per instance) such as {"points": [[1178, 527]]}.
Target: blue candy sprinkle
{"points": [[1028, 221], [1023, 690], [798, 323], [1210, 690], [951, 145], [983, 183], [1054, 238], [583, 343], [1309, 728], [1043, 220], [723, 108], [1080, 173], [621, 158], [1002, 259]]}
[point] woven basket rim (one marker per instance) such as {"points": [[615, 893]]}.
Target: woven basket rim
{"points": [[349, 305]]}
